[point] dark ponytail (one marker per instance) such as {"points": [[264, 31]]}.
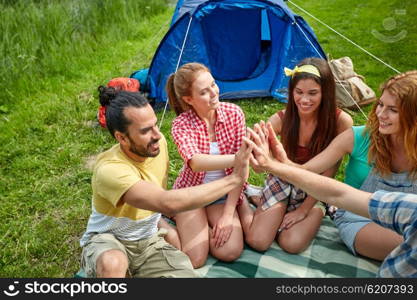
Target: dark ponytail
{"points": [[115, 102], [106, 94]]}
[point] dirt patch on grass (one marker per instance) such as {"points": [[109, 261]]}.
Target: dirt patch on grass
{"points": [[89, 162]]}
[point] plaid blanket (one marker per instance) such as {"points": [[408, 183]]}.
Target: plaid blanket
{"points": [[327, 256]]}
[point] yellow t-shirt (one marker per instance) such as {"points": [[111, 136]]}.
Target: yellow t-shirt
{"points": [[114, 174]]}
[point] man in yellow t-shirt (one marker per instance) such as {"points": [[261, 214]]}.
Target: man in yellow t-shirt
{"points": [[129, 194]]}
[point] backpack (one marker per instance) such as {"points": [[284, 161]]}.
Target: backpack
{"points": [[142, 76], [347, 81], [125, 84]]}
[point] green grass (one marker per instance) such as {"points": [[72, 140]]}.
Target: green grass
{"points": [[48, 129], [356, 19], [56, 53]]}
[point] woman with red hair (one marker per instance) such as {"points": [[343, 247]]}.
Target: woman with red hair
{"points": [[382, 156]]}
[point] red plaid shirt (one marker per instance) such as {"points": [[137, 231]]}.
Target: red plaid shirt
{"points": [[191, 137]]}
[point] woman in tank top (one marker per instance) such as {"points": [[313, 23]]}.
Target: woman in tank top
{"points": [[307, 125]]}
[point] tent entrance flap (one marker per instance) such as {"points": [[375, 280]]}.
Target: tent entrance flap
{"points": [[238, 43]]}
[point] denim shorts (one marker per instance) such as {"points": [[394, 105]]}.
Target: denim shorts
{"points": [[349, 224], [221, 200]]}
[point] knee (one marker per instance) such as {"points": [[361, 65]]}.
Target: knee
{"points": [[292, 245], [173, 239], [112, 263], [228, 254], [198, 258], [293, 249], [258, 242]]}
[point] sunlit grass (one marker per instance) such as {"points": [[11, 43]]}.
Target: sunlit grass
{"points": [[48, 129]]}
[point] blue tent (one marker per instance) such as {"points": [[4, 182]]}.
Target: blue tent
{"points": [[245, 43]]}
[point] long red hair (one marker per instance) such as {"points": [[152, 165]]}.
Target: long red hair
{"points": [[404, 88]]}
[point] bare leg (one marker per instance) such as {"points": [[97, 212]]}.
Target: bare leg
{"points": [[112, 264], [233, 248], [193, 230], [299, 236], [255, 200], [376, 242], [172, 236], [261, 226]]}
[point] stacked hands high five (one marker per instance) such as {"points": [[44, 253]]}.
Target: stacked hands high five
{"points": [[268, 153], [267, 149]]}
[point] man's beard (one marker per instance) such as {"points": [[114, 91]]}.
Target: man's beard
{"points": [[142, 151]]}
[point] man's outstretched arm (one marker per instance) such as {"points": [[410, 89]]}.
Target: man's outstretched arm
{"points": [[149, 196], [324, 188]]}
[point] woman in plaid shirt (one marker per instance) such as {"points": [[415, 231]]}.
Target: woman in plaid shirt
{"points": [[207, 133], [307, 125]]}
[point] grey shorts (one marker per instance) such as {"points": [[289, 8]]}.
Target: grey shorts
{"points": [[151, 257]]}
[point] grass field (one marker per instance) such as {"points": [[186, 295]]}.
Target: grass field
{"points": [[56, 53]]}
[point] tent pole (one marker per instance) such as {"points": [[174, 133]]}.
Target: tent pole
{"points": [[176, 68], [349, 40]]}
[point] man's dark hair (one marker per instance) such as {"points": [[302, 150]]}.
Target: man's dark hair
{"points": [[116, 102]]}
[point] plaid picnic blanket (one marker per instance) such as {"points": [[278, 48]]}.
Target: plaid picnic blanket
{"points": [[327, 256]]}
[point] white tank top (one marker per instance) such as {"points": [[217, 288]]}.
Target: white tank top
{"points": [[217, 174]]}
